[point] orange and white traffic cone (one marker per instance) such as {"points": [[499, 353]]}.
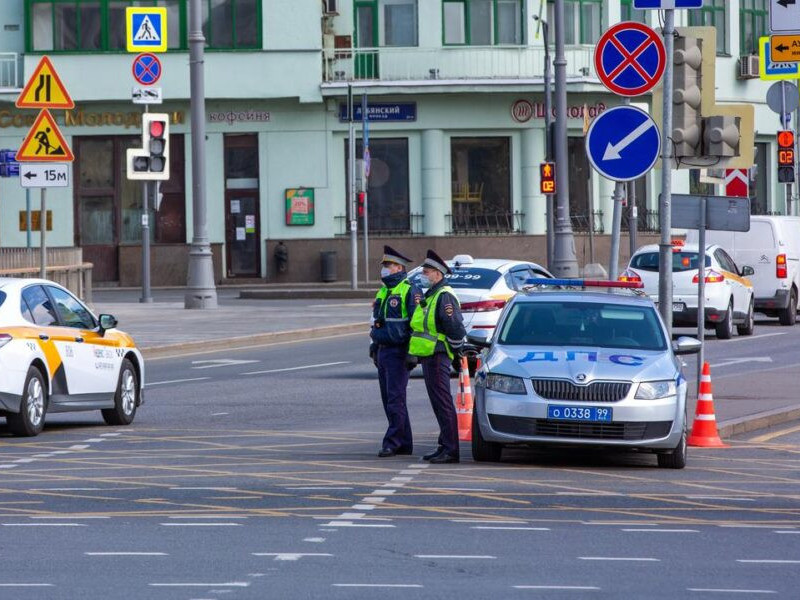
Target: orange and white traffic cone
{"points": [[464, 403], [704, 429]]}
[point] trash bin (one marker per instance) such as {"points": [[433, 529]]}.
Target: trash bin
{"points": [[328, 265]]}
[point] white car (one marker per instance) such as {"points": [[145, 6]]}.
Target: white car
{"points": [[56, 356], [729, 295]]}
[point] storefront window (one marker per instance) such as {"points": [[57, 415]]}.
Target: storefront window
{"points": [[582, 209], [583, 21], [713, 14], [480, 170], [482, 22], [628, 13], [753, 15], [386, 23]]}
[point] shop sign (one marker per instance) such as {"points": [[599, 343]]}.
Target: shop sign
{"points": [[523, 111], [300, 206], [79, 118], [238, 116], [382, 111]]}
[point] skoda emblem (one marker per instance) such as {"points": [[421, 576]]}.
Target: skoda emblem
{"points": [[581, 377]]}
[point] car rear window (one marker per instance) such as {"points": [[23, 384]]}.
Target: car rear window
{"points": [[582, 324], [467, 277], [681, 261]]}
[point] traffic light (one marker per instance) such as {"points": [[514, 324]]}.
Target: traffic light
{"points": [[151, 161], [547, 178], [785, 157], [721, 136], [687, 121]]}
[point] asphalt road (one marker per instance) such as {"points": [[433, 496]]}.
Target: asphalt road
{"points": [[253, 474]]}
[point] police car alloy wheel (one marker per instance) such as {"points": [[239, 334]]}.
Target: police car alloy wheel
{"points": [[33, 406], [675, 459], [126, 398]]}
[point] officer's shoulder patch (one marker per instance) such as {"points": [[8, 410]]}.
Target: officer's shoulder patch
{"points": [[417, 298], [448, 309]]}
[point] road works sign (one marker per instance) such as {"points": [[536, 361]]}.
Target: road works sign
{"points": [[44, 89], [770, 70], [44, 142], [623, 143], [146, 29], [630, 59], [784, 15]]}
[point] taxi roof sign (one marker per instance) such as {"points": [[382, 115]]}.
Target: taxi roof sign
{"points": [[45, 89], [44, 142], [146, 29]]}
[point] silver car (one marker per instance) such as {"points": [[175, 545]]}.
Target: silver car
{"points": [[583, 368]]}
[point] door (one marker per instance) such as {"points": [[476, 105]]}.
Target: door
{"points": [[366, 62], [739, 292], [37, 308], [242, 233]]}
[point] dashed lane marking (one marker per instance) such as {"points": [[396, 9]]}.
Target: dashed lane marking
{"points": [[768, 561], [25, 585], [456, 556], [126, 554], [796, 532], [376, 585], [290, 555], [330, 364], [662, 530], [351, 524], [620, 558], [571, 588], [315, 540], [238, 584], [44, 524], [170, 381], [510, 528], [729, 591], [201, 524]]}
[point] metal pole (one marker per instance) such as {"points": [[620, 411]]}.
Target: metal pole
{"points": [[146, 294], [28, 217], [565, 263], [633, 212], [785, 123], [43, 235], [665, 205], [796, 160], [701, 289], [351, 192], [548, 139], [364, 155], [616, 231], [590, 221], [200, 289]]}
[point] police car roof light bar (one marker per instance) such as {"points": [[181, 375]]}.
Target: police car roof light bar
{"points": [[599, 283]]}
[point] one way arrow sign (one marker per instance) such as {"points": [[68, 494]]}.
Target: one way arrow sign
{"points": [[784, 16]]}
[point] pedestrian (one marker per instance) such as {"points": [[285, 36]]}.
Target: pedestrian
{"points": [[437, 335], [395, 303]]}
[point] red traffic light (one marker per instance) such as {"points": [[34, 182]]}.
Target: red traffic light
{"points": [[785, 139], [157, 128]]}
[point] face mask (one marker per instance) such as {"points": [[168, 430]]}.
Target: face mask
{"points": [[385, 272], [424, 281]]}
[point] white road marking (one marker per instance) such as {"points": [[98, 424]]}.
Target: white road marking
{"points": [[363, 506], [489, 521], [151, 383], [383, 492], [730, 591], [288, 555], [220, 362], [351, 516], [79, 447], [726, 498], [755, 337], [348, 304], [48, 455], [25, 585], [201, 524], [418, 466], [44, 525], [738, 361], [409, 472], [67, 517], [351, 524], [330, 364], [90, 440], [769, 561], [373, 500], [403, 479], [219, 414], [664, 530], [205, 517], [457, 556], [126, 554], [208, 489], [377, 585], [23, 461], [557, 587], [510, 528], [205, 585], [797, 532], [110, 434], [315, 540], [461, 489], [68, 489], [315, 487], [620, 558], [8, 466]]}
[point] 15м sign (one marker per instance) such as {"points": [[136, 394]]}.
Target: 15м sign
{"points": [[34, 175]]}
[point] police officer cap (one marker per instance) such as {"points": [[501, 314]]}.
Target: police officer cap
{"points": [[393, 256], [435, 261]]}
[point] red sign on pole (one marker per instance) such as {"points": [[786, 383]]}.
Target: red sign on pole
{"points": [[737, 183], [630, 59]]}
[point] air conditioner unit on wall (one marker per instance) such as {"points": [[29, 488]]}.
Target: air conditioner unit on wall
{"points": [[748, 67], [331, 7]]}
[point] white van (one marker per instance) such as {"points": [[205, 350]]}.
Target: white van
{"points": [[772, 248]]}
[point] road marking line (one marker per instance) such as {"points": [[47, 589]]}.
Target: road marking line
{"points": [[66, 517], [330, 364], [151, 383], [48, 455], [25, 460], [44, 525], [619, 558], [351, 516], [208, 585], [201, 524], [289, 555], [728, 498], [219, 414], [363, 506], [769, 562], [395, 484], [489, 521], [373, 500], [460, 489], [409, 472], [90, 440], [110, 434], [315, 487], [8, 466], [457, 556], [23, 585], [208, 489], [798, 532], [205, 517], [126, 554], [79, 447], [755, 337], [418, 466], [383, 492], [316, 540], [774, 434], [68, 489], [351, 524], [729, 591], [508, 528], [403, 479], [377, 585], [556, 587], [664, 530]]}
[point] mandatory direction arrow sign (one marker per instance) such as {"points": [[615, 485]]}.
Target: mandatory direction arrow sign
{"points": [[623, 143]]}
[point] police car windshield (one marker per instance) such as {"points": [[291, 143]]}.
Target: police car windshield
{"points": [[466, 277], [582, 324], [681, 261]]}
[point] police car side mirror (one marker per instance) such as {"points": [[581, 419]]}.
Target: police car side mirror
{"points": [[479, 338], [747, 271], [686, 345], [107, 322]]}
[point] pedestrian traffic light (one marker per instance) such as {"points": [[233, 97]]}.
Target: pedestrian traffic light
{"points": [[785, 157], [721, 136], [547, 178], [687, 121], [361, 197], [151, 161]]}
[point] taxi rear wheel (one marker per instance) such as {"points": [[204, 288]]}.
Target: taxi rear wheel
{"points": [[725, 327], [483, 451], [675, 459], [126, 399], [29, 421]]}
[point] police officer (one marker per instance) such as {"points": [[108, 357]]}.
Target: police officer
{"points": [[437, 335], [391, 313]]}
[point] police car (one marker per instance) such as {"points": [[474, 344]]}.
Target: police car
{"points": [[581, 363], [56, 356]]}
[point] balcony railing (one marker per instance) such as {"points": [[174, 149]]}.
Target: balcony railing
{"points": [[447, 63], [486, 223], [10, 72]]}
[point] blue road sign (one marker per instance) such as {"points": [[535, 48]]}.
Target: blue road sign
{"points": [[146, 28], [630, 59], [623, 143], [9, 167], [665, 4], [146, 69]]}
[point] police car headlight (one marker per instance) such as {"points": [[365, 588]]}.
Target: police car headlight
{"points": [[653, 390], [505, 384]]}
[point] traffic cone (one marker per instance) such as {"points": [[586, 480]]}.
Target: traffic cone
{"points": [[704, 429], [464, 403]]}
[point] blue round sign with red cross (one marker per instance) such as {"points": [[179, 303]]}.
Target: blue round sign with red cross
{"points": [[630, 58], [146, 68]]}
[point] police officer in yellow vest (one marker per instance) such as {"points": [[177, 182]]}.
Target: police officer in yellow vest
{"points": [[394, 305], [437, 335]]}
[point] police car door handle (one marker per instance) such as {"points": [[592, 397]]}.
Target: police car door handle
{"points": [[79, 339], [44, 336]]}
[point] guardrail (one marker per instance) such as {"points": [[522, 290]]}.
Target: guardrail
{"points": [[448, 62], [65, 266], [486, 223], [10, 71]]}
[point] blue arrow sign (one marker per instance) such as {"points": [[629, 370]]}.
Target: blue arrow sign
{"points": [[666, 4], [623, 143]]}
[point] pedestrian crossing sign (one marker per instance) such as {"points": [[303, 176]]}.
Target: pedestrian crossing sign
{"points": [[44, 89], [146, 29], [44, 142]]}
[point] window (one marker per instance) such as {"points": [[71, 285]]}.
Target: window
{"points": [[713, 14], [753, 16], [480, 171], [39, 308], [628, 13], [99, 25], [73, 313], [386, 23], [583, 21], [726, 262], [482, 22]]}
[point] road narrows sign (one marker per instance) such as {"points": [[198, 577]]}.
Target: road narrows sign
{"points": [[44, 89], [630, 58], [623, 143], [146, 29], [44, 142]]}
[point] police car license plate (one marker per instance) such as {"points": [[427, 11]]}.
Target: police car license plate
{"points": [[579, 413]]}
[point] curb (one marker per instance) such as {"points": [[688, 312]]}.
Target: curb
{"points": [[758, 421], [260, 339], [312, 294]]}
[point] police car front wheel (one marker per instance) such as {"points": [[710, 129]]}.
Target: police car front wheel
{"points": [[29, 421], [126, 399]]}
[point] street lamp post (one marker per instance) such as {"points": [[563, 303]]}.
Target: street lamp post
{"points": [[548, 134]]}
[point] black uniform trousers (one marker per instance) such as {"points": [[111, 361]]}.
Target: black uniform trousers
{"points": [[393, 379], [436, 370]]}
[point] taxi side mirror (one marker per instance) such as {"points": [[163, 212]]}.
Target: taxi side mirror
{"points": [[107, 322], [686, 345], [479, 338], [747, 271]]}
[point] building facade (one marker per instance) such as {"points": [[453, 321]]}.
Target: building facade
{"points": [[455, 94]]}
